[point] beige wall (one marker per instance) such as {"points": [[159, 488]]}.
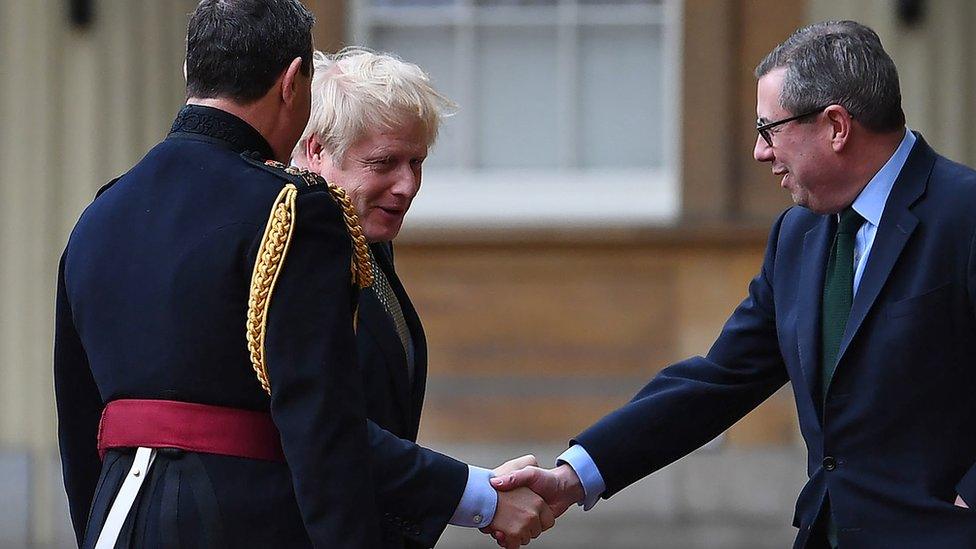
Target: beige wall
{"points": [[330, 24], [935, 63], [723, 42], [541, 335], [77, 106]]}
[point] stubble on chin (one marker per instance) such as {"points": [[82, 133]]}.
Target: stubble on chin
{"points": [[800, 198]]}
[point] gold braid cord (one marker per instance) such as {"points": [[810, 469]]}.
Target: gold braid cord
{"points": [[271, 254], [362, 266]]}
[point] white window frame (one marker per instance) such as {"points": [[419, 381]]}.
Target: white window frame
{"points": [[544, 197]]}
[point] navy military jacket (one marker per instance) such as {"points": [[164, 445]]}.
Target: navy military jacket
{"points": [[152, 297]]}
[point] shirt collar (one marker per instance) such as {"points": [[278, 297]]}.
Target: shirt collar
{"points": [[871, 202], [221, 126]]}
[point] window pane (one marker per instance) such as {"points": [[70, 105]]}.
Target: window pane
{"points": [[621, 97], [517, 105], [433, 50]]}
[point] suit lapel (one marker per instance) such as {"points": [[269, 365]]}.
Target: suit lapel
{"points": [[378, 323], [897, 225], [413, 395], [816, 246]]}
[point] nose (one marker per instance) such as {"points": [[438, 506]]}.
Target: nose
{"points": [[407, 181], [762, 152]]}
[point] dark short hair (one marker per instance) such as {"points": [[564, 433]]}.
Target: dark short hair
{"points": [[839, 63], [238, 48]]}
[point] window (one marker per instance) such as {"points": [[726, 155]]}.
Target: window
{"points": [[568, 108]]}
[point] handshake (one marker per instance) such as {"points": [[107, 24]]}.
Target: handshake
{"points": [[530, 499]]}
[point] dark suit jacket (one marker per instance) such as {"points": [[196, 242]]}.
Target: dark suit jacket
{"points": [[418, 489], [893, 443], [152, 300]]}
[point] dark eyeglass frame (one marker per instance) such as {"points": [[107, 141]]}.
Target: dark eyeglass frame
{"points": [[763, 129]]}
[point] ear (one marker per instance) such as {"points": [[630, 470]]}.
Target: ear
{"points": [[840, 122], [315, 155], [289, 81]]}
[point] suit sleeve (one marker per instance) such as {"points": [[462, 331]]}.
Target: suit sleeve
{"points": [[690, 402], [418, 488], [317, 398], [966, 487], [79, 407]]}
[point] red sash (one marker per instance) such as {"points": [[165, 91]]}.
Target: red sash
{"points": [[131, 423]]}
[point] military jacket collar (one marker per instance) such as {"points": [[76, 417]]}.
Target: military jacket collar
{"points": [[221, 126]]}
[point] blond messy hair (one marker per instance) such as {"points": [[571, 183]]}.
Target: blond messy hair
{"points": [[357, 90]]}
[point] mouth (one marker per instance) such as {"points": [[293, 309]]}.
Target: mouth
{"points": [[784, 173], [392, 213]]}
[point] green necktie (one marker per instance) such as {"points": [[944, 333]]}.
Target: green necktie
{"points": [[838, 292]]}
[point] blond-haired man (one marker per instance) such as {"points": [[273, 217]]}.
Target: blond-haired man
{"points": [[373, 119]]}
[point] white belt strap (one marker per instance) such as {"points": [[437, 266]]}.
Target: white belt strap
{"points": [[126, 498]]}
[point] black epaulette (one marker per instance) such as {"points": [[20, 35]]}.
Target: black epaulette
{"points": [[299, 177], [274, 247]]}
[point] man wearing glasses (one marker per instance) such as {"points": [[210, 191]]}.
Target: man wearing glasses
{"points": [[864, 304]]}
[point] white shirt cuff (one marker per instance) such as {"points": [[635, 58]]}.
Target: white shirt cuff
{"points": [[477, 506], [591, 479]]}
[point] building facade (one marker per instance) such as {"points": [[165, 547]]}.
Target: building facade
{"points": [[591, 213]]}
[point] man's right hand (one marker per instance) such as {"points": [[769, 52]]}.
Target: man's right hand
{"points": [[560, 487], [520, 517]]}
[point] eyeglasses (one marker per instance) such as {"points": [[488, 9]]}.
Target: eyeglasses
{"points": [[767, 136]]}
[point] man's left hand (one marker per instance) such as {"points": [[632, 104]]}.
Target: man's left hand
{"points": [[513, 465]]}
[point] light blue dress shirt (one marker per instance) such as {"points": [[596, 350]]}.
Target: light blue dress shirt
{"points": [[869, 204], [478, 502]]}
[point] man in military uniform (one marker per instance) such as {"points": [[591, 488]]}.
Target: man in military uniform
{"points": [[207, 385]]}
